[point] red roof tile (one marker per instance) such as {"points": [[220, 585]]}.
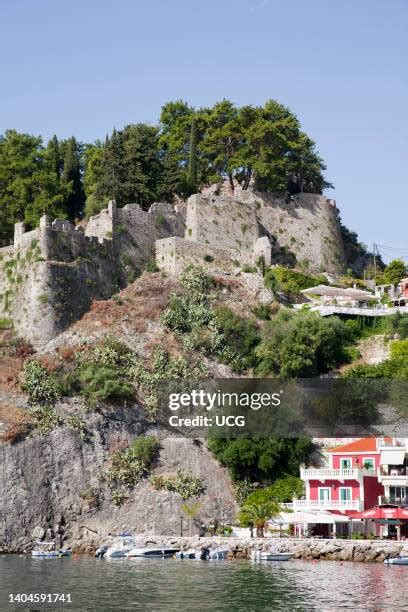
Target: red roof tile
{"points": [[364, 445]]}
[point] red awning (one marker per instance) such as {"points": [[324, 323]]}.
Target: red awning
{"points": [[383, 512]]}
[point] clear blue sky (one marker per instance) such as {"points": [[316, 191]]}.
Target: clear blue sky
{"points": [[80, 67]]}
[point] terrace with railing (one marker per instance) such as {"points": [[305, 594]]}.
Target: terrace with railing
{"points": [[327, 504], [335, 474]]}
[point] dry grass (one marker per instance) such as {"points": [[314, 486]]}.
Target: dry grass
{"points": [[137, 306], [13, 352], [17, 421]]}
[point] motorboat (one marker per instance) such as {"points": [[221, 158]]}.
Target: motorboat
{"points": [[205, 554], [152, 551], [272, 555], [119, 548], [396, 560]]}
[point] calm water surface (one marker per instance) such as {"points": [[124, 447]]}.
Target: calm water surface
{"points": [[169, 584]]}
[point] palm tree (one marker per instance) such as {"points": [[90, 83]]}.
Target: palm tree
{"points": [[191, 511], [258, 514]]}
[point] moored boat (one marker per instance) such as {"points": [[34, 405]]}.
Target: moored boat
{"points": [[396, 560], [117, 549], [273, 555], [152, 551], [205, 554]]}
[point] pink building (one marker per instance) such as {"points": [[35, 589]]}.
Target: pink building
{"points": [[348, 483], [365, 480]]}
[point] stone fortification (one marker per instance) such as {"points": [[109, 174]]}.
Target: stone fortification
{"points": [[302, 231], [50, 275]]}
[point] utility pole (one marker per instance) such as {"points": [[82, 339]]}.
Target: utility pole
{"points": [[375, 261]]}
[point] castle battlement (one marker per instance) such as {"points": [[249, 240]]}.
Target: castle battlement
{"points": [[50, 275]]}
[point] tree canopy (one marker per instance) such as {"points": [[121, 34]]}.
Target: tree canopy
{"points": [[393, 273], [188, 149], [35, 180]]}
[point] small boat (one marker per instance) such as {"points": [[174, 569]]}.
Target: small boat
{"points": [[119, 548], [205, 554], [152, 551], [396, 560], [273, 555], [187, 554]]}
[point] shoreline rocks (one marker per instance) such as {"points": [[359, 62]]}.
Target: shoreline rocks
{"points": [[321, 550]]}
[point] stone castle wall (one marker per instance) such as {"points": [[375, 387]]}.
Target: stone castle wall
{"points": [[301, 231], [50, 276]]}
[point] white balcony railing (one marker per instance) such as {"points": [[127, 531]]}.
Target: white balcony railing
{"points": [[327, 504], [393, 479], [334, 474]]}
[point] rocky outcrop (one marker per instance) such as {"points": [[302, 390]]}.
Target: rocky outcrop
{"points": [[54, 486]]}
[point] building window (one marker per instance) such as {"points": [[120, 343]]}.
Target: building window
{"points": [[398, 495], [345, 494], [345, 464], [324, 493], [368, 463]]}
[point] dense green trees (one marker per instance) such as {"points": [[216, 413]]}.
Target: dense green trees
{"points": [[35, 179], [302, 344], [263, 143], [188, 149], [393, 273], [263, 459]]}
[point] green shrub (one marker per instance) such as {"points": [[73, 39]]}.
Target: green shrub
{"points": [[99, 383], [74, 421], [132, 275], [301, 344], [283, 490], [262, 459], [46, 419], [263, 312], [398, 324], [240, 337], [40, 387], [118, 497], [192, 307], [242, 488], [160, 220], [183, 483], [126, 469], [163, 371], [145, 449], [215, 332], [290, 281], [151, 266], [100, 373]]}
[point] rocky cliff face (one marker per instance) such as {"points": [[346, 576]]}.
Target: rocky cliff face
{"points": [[54, 487]]}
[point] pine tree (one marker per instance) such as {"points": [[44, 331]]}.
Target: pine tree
{"points": [[192, 163], [71, 176], [53, 156], [142, 166], [111, 185]]}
